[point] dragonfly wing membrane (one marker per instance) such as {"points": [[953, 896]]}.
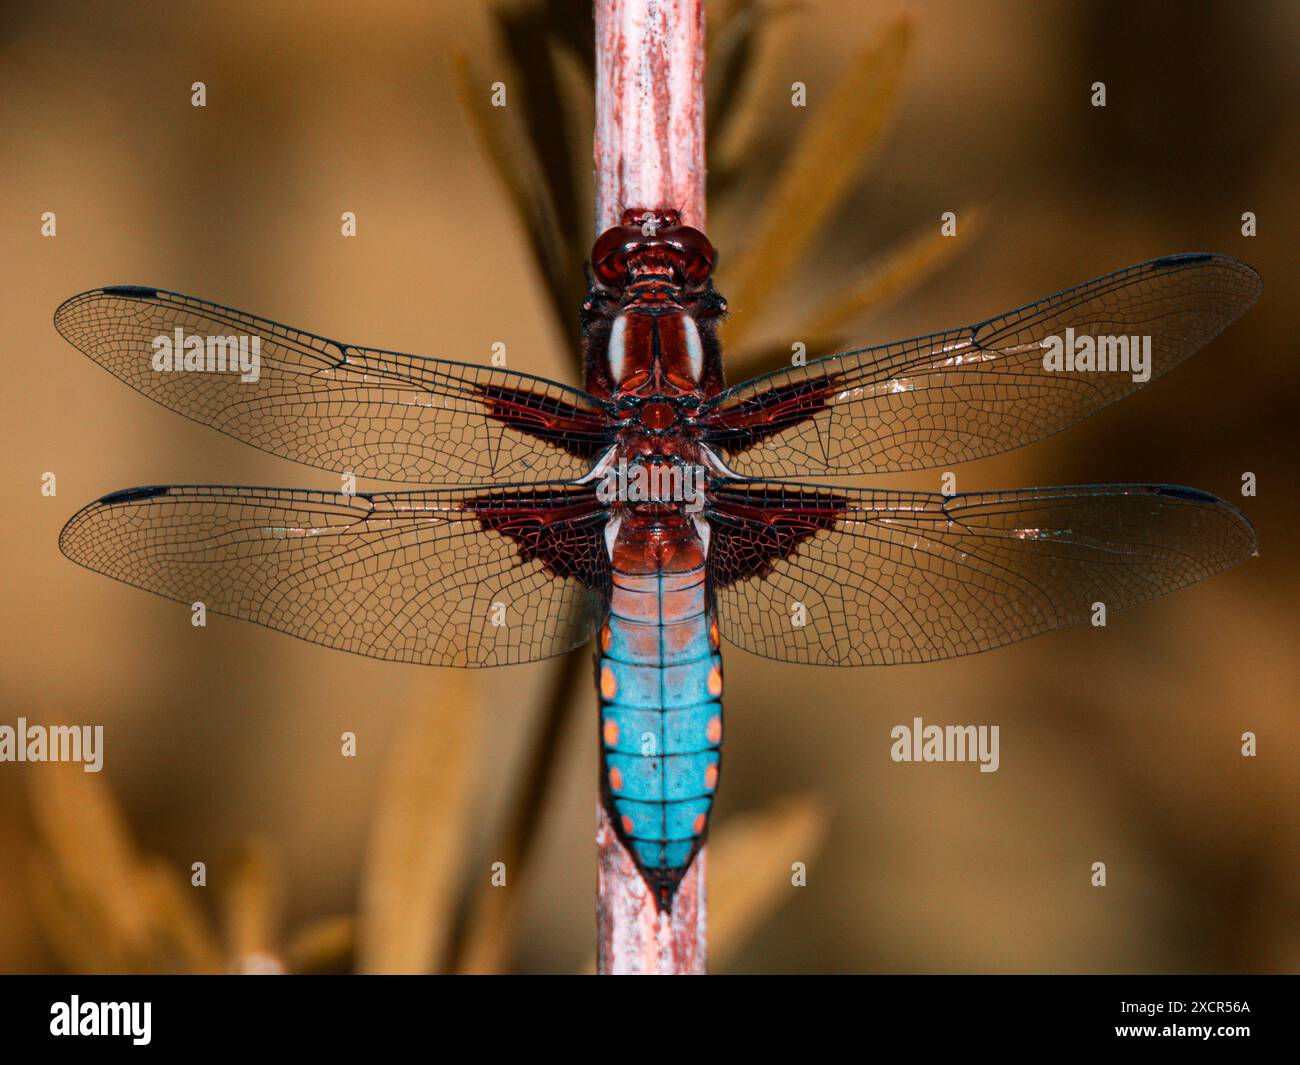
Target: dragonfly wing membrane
{"points": [[983, 389], [820, 575], [469, 577], [341, 407]]}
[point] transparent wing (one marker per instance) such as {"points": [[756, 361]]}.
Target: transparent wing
{"points": [[474, 577], [980, 390], [854, 577], [337, 406]]}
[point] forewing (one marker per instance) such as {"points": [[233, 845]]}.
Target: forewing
{"points": [[854, 577], [980, 390], [475, 577], [341, 407]]}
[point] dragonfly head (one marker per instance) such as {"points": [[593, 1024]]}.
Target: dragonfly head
{"points": [[652, 244]]}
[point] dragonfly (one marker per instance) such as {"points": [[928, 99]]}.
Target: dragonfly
{"points": [[657, 509]]}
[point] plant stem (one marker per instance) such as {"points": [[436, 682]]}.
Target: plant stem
{"points": [[649, 151], [649, 108]]}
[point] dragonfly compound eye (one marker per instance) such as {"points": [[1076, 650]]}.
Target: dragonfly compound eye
{"points": [[609, 255], [698, 257], [624, 250]]}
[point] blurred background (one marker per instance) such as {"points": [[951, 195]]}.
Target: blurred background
{"points": [[1119, 744]]}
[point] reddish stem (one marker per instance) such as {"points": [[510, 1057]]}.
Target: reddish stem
{"points": [[649, 153], [649, 108]]}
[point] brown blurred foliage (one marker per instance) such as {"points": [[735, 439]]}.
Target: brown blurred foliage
{"points": [[1121, 744]]}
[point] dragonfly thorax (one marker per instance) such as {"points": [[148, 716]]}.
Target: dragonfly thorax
{"points": [[649, 315]]}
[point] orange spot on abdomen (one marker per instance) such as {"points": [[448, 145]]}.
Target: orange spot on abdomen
{"points": [[608, 685], [611, 733], [715, 681]]}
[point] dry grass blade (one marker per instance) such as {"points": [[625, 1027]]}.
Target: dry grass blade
{"points": [[250, 897], [550, 49], [494, 911], [893, 275], [516, 165], [530, 37], [818, 174], [736, 108], [417, 841], [184, 940], [749, 864], [81, 943], [500, 139], [733, 27], [92, 854], [578, 113], [890, 277], [577, 98], [325, 945]]}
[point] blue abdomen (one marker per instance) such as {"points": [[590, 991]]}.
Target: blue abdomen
{"points": [[660, 679]]}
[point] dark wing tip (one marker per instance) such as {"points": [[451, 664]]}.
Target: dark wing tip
{"points": [[1184, 258], [1179, 492], [132, 495], [1244, 270], [61, 312], [129, 290], [1249, 535], [73, 544]]}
